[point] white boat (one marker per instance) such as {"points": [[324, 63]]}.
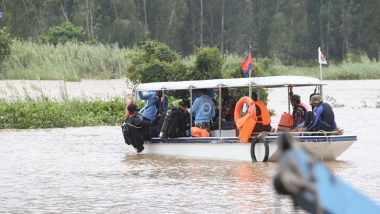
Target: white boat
{"points": [[223, 144]]}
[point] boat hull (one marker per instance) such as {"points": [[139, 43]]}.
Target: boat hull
{"points": [[229, 148]]}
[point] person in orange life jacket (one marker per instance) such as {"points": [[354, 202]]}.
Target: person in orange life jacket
{"points": [[135, 128], [263, 116], [299, 109], [324, 118], [204, 110]]}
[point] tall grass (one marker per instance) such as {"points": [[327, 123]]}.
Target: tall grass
{"points": [[71, 61], [344, 71], [76, 61]]}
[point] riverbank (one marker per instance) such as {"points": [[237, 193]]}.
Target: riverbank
{"points": [[45, 112]]}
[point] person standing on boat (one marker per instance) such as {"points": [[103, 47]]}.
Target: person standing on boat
{"points": [[324, 118], [299, 109], [204, 110], [135, 128], [156, 102]]}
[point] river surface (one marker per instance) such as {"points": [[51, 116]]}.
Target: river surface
{"points": [[90, 169]]}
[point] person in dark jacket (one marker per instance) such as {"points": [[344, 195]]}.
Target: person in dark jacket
{"points": [[135, 129], [324, 118], [299, 109], [177, 121]]}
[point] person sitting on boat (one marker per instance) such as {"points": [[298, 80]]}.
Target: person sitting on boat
{"points": [[204, 110], [156, 103], [177, 121], [263, 116], [324, 118], [135, 129], [299, 109]]}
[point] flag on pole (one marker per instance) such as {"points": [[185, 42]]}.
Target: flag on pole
{"points": [[321, 58], [246, 64]]}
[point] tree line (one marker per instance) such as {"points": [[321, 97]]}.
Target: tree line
{"points": [[288, 32]]}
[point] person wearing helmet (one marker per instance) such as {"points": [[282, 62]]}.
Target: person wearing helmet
{"points": [[324, 118]]}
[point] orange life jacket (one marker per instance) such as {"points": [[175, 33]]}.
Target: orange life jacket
{"points": [[286, 122], [265, 115], [246, 123], [198, 132]]}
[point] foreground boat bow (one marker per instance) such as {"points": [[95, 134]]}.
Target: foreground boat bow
{"points": [[313, 187]]}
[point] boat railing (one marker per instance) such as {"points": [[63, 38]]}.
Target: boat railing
{"points": [[318, 133]]}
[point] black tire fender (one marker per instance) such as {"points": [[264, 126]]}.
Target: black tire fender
{"points": [[259, 139]]}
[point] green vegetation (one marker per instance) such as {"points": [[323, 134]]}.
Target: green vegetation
{"points": [[70, 61], [5, 45], [44, 112], [152, 61], [208, 64], [344, 71], [63, 33]]}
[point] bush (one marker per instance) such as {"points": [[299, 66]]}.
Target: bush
{"points": [[265, 64], [154, 62], [5, 45], [63, 33], [208, 64]]}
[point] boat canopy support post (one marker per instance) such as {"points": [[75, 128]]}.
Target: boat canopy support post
{"points": [[220, 110], [250, 90], [288, 99], [191, 108]]}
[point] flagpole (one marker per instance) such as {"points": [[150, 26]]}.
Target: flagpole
{"points": [[250, 88], [250, 71], [320, 70]]}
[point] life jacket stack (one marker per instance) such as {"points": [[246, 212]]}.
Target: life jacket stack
{"points": [[198, 132], [247, 123], [286, 122]]}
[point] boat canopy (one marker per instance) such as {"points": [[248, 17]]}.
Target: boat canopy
{"points": [[264, 82]]}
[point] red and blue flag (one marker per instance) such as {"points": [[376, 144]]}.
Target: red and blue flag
{"points": [[246, 64]]}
